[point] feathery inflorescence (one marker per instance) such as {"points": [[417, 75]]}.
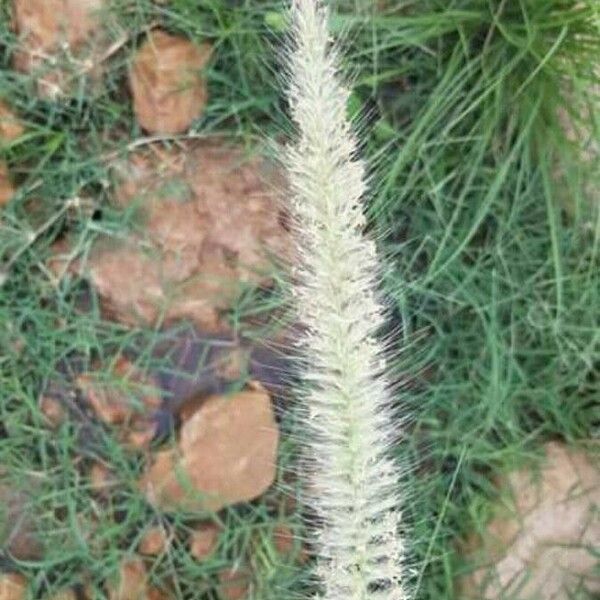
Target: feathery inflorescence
{"points": [[353, 482]]}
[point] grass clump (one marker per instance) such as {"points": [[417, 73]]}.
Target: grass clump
{"points": [[492, 276]]}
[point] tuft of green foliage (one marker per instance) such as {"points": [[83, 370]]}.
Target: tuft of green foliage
{"points": [[482, 203]]}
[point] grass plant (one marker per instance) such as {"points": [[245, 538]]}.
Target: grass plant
{"points": [[480, 205], [353, 485]]}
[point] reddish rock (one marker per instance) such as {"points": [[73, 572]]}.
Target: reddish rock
{"points": [[287, 544], [132, 581], [203, 541], [11, 127], [18, 531], [226, 454], [13, 586], [7, 190], [141, 433], [53, 411], [169, 90], [234, 584], [129, 280], [102, 479], [113, 398], [103, 400], [283, 539], [154, 541], [155, 593]]}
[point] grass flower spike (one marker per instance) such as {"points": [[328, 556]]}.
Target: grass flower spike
{"points": [[353, 481]]}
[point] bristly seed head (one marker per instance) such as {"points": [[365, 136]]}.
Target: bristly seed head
{"points": [[353, 481]]}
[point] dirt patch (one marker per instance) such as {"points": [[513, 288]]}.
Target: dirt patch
{"points": [[60, 41]]}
